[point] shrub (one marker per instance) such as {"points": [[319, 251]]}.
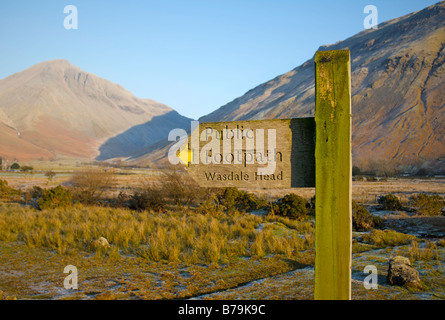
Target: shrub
{"points": [[292, 206], [235, 200], [390, 202], [50, 175], [90, 184], [36, 192], [180, 188], [428, 205], [211, 206], [356, 171], [422, 172], [4, 187], [8, 193], [31, 194], [57, 197], [174, 187], [362, 220], [122, 200], [150, 198], [311, 206], [15, 166], [26, 169]]}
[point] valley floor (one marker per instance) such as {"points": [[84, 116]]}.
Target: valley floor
{"points": [[244, 256]]}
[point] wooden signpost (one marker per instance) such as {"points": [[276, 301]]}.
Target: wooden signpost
{"points": [[294, 153], [333, 212]]}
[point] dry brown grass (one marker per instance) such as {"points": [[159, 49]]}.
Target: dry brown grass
{"points": [[368, 192], [172, 236], [428, 251]]}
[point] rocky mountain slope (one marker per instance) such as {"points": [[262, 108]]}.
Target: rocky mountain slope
{"points": [[55, 109], [398, 93]]}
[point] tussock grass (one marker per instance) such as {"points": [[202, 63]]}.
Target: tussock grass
{"points": [[184, 236], [415, 253], [387, 238]]}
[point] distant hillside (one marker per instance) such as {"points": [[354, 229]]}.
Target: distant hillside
{"points": [[56, 109], [398, 93]]}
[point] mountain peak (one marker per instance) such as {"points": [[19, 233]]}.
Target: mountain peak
{"points": [[57, 64], [59, 109]]}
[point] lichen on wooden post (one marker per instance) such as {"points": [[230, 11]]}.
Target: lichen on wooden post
{"points": [[333, 175]]}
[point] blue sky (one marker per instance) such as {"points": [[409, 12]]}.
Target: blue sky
{"points": [[193, 55]]}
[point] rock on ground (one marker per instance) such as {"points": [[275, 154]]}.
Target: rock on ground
{"points": [[101, 242], [401, 273]]}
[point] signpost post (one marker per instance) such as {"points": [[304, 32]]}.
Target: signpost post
{"points": [[333, 212], [294, 153]]}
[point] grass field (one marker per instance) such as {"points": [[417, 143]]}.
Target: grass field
{"points": [[182, 253]]}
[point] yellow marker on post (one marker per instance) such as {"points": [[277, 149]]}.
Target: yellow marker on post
{"points": [[333, 176], [185, 155]]}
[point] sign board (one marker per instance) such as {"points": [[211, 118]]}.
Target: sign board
{"points": [[256, 153]]}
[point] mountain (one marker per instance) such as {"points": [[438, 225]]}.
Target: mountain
{"points": [[55, 109], [398, 93]]}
